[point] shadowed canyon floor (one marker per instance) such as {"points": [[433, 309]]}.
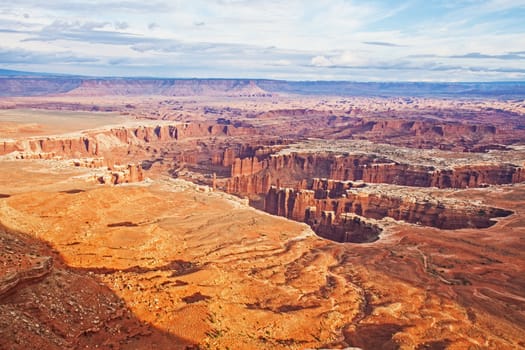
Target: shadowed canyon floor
{"points": [[156, 261]]}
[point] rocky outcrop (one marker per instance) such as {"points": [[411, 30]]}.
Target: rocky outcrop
{"points": [[121, 174], [348, 228], [107, 172], [308, 206], [27, 268], [93, 163], [43, 155]]}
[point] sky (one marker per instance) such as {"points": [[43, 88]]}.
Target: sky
{"points": [[374, 40]]}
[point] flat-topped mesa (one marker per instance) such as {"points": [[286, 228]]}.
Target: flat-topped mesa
{"points": [[430, 133], [168, 87], [106, 141], [430, 127], [308, 206], [477, 176]]}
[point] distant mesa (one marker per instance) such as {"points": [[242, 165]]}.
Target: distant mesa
{"points": [[16, 83]]}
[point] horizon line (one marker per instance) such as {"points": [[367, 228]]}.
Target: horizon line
{"points": [[83, 76]]}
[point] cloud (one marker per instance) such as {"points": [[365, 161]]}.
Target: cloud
{"points": [[95, 6], [91, 32], [342, 59], [13, 31], [321, 61], [15, 26], [382, 43], [280, 63], [21, 56], [176, 46], [119, 61], [73, 26], [121, 25], [477, 55]]}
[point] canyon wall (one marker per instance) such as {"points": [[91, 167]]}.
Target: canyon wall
{"points": [[309, 206], [106, 141], [347, 228], [290, 170], [430, 127]]}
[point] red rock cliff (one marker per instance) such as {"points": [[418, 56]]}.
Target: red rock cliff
{"points": [[99, 142], [308, 205], [294, 168]]}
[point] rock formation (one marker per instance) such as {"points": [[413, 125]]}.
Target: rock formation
{"points": [[121, 174], [100, 142], [309, 206], [293, 168], [28, 268], [347, 228]]}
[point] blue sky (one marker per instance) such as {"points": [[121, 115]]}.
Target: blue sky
{"points": [[411, 40]]}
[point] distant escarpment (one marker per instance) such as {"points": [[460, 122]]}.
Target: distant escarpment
{"points": [[32, 84], [456, 131], [36, 86], [81, 86], [429, 133], [169, 87]]}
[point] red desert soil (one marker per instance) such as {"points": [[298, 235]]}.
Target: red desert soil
{"points": [[170, 262], [164, 263]]}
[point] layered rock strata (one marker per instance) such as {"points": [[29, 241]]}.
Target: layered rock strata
{"points": [[100, 142], [346, 228], [291, 169], [312, 205]]}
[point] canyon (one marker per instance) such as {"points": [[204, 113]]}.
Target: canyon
{"points": [[260, 214]]}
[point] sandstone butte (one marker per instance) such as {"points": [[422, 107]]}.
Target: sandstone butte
{"points": [[106, 243]]}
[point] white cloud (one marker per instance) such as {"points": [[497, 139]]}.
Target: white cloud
{"points": [[321, 61], [281, 63]]}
